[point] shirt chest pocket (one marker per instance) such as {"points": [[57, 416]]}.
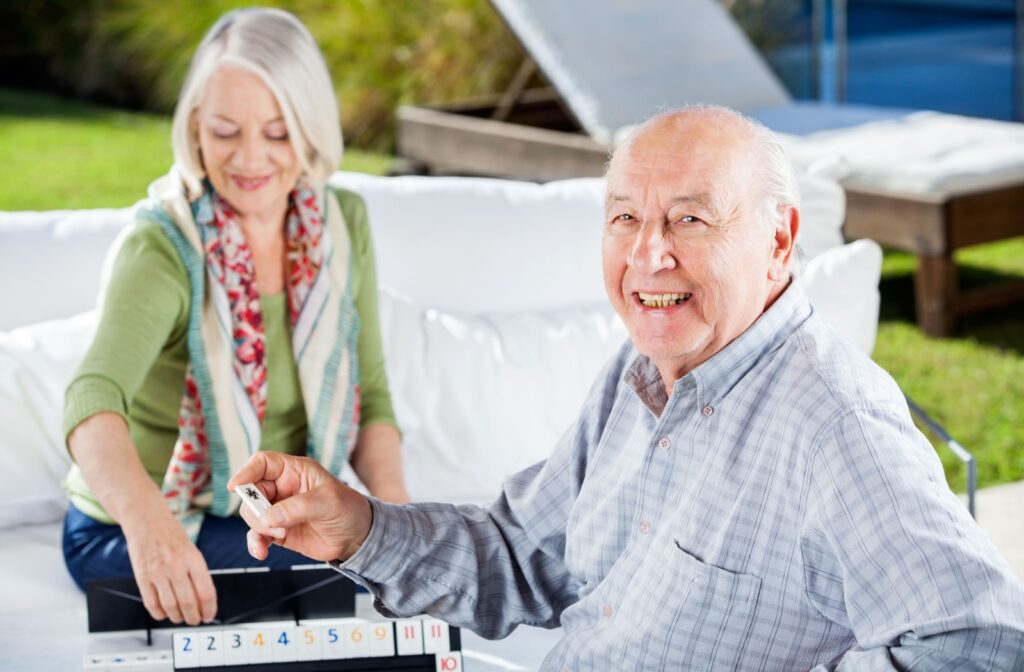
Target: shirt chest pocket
{"points": [[706, 613]]}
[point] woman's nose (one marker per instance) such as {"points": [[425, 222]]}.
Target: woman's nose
{"points": [[250, 152]]}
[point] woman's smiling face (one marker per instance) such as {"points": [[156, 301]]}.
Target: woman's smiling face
{"points": [[246, 150]]}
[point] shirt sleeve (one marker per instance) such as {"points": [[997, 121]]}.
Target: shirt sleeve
{"points": [[375, 397], [488, 569], [890, 553], [144, 306]]}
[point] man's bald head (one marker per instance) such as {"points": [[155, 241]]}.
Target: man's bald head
{"points": [[727, 131]]}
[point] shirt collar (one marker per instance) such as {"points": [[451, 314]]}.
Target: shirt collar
{"points": [[718, 375]]}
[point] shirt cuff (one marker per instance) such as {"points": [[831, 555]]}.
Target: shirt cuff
{"points": [[386, 551], [89, 395]]}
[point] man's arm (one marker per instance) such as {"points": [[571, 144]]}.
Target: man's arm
{"points": [[890, 553], [485, 569]]}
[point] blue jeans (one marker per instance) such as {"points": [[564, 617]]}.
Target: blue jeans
{"points": [[95, 550]]}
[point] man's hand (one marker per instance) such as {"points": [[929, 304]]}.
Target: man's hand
{"points": [[313, 512], [172, 575]]}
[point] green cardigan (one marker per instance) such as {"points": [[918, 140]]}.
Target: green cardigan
{"points": [[136, 364]]}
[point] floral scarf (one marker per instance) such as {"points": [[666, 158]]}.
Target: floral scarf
{"points": [[225, 392]]}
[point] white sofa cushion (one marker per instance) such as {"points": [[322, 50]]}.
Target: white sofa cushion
{"points": [[480, 397], [36, 364], [842, 285], [485, 246], [924, 153], [51, 261]]}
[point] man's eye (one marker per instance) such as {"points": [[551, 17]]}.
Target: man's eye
{"points": [[625, 217], [690, 219]]}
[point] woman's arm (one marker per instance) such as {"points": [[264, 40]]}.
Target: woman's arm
{"points": [[377, 457], [171, 573], [377, 460], [144, 307]]}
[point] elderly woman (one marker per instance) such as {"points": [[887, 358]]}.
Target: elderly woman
{"points": [[240, 315]]}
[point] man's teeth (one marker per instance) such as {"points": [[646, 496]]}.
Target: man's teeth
{"points": [[662, 300]]}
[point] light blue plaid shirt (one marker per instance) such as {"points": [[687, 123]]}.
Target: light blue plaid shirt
{"points": [[779, 511]]}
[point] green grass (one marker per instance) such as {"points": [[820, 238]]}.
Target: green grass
{"points": [[60, 154], [972, 384]]}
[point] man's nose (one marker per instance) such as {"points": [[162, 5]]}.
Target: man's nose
{"points": [[651, 250]]}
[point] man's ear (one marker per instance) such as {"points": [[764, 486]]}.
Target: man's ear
{"points": [[784, 244]]}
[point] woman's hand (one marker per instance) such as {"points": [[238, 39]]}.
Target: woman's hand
{"points": [[172, 575], [313, 512]]}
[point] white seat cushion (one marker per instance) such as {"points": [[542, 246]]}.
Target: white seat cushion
{"points": [[925, 153], [50, 262]]}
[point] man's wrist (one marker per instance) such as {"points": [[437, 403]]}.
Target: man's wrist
{"points": [[350, 549]]}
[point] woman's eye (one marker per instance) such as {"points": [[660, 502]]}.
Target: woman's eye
{"points": [[277, 137], [223, 134]]}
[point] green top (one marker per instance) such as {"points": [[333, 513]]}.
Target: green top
{"points": [[136, 364]]}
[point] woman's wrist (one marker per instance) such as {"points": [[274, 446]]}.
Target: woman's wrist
{"points": [[394, 493]]}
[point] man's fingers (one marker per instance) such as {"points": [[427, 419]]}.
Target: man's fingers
{"points": [[262, 466], [296, 510], [257, 524], [258, 545]]}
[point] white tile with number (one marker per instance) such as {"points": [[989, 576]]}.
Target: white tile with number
{"points": [[409, 635], [310, 641], [449, 661], [357, 644], [282, 643], [382, 639], [435, 636]]}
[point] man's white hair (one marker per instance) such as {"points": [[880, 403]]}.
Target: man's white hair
{"points": [[277, 48], [779, 184]]}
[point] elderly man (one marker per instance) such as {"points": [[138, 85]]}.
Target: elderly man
{"points": [[742, 489]]}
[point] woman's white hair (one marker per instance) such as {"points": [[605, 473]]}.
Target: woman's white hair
{"points": [[277, 48]]}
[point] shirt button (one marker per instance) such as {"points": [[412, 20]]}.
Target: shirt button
{"points": [[607, 610], [664, 443], [708, 410], [645, 527]]}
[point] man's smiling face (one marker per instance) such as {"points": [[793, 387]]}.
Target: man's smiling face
{"points": [[688, 262]]}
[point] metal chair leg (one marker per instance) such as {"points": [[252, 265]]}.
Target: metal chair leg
{"points": [[962, 453]]}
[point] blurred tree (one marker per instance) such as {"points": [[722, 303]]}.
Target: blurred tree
{"points": [[381, 53]]}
